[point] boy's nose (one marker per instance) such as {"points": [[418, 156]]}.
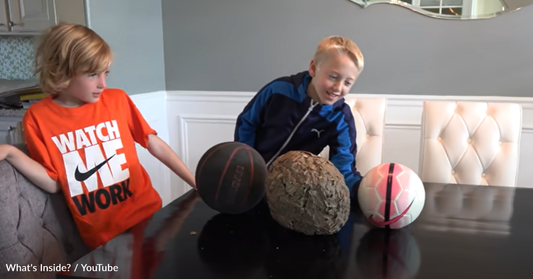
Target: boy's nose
{"points": [[337, 87], [102, 83]]}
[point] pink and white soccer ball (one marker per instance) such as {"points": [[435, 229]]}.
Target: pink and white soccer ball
{"points": [[391, 196]]}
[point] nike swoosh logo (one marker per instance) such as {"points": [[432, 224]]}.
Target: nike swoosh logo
{"points": [[391, 221], [83, 176]]}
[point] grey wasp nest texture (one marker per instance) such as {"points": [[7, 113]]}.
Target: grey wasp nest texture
{"points": [[307, 193]]}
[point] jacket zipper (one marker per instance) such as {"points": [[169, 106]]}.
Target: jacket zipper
{"points": [[311, 107]]}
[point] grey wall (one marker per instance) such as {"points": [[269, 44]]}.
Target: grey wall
{"points": [[239, 45], [133, 29]]}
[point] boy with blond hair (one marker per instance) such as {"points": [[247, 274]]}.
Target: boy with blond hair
{"points": [[306, 111], [81, 138]]}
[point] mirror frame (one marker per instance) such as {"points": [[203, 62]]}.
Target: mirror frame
{"points": [[368, 3]]}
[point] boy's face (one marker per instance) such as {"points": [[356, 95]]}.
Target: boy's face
{"points": [[333, 78], [84, 88]]}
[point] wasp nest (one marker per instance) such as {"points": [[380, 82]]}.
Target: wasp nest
{"points": [[307, 193]]}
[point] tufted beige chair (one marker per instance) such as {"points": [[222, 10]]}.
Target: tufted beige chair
{"points": [[369, 117], [468, 209], [473, 143]]}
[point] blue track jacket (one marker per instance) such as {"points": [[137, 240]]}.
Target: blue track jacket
{"points": [[281, 117]]}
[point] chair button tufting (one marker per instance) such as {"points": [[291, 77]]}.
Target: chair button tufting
{"points": [[439, 139], [483, 175], [367, 135], [469, 140], [453, 172]]}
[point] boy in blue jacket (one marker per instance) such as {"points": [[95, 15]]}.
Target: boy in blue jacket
{"points": [[306, 111]]}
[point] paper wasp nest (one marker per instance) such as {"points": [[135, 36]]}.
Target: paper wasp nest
{"points": [[307, 193]]}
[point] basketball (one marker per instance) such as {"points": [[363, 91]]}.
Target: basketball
{"points": [[230, 177], [391, 196]]}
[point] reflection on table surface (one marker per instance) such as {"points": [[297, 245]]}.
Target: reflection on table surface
{"points": [[468, 209], [463, 232]]}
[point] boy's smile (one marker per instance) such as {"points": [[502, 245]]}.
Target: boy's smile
{"points": [[332, 78]]}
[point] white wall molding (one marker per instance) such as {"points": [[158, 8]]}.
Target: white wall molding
{"points": [[402, 126], [209, 96], [398, 105], [403, 109], [193, 121], [188, 119], [154, 109], [200, 119]]}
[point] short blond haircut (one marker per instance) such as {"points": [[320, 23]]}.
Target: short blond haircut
{"points": [[66, 50], [342, 45]]}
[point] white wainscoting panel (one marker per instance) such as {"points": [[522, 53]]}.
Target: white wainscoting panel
{"points": [[193, 128], [153, 107], [198, 120]]}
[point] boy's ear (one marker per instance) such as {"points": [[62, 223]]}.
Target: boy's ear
{"points": [[312, 68]]}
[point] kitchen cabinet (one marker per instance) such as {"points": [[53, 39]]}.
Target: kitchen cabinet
{"points": [[3, 18], [31, 17], [9, 124]]}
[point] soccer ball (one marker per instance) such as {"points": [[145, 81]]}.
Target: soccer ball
{"points": [[391, 196]]}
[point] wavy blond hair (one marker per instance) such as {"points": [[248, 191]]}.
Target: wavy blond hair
{"points": [[66, 50], [342, 45]]}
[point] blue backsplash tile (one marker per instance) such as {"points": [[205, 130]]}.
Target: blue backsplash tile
{"points": [[16, 57]]}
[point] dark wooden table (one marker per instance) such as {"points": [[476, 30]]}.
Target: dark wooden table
{"points": [[463, 232]]}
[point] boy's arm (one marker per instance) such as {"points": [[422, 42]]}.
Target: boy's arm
{"points": [[343, 149], [37, 168], [162, 151], [147, 137], [30, 168], [250, 118]]}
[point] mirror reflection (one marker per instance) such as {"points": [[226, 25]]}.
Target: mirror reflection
{"points": [[455, 9]]}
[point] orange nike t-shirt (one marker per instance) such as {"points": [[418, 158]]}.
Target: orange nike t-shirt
{"points": [[90, 150]]}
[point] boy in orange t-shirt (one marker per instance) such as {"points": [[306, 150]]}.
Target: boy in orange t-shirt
{"points": [[81, 138]]}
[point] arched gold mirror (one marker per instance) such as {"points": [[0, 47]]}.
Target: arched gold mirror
{"points": [[454, 9]]}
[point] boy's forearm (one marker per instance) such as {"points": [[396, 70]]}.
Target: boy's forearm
{"points": [[32, 170], [352, 177], [245, 134], [162, 151]]}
